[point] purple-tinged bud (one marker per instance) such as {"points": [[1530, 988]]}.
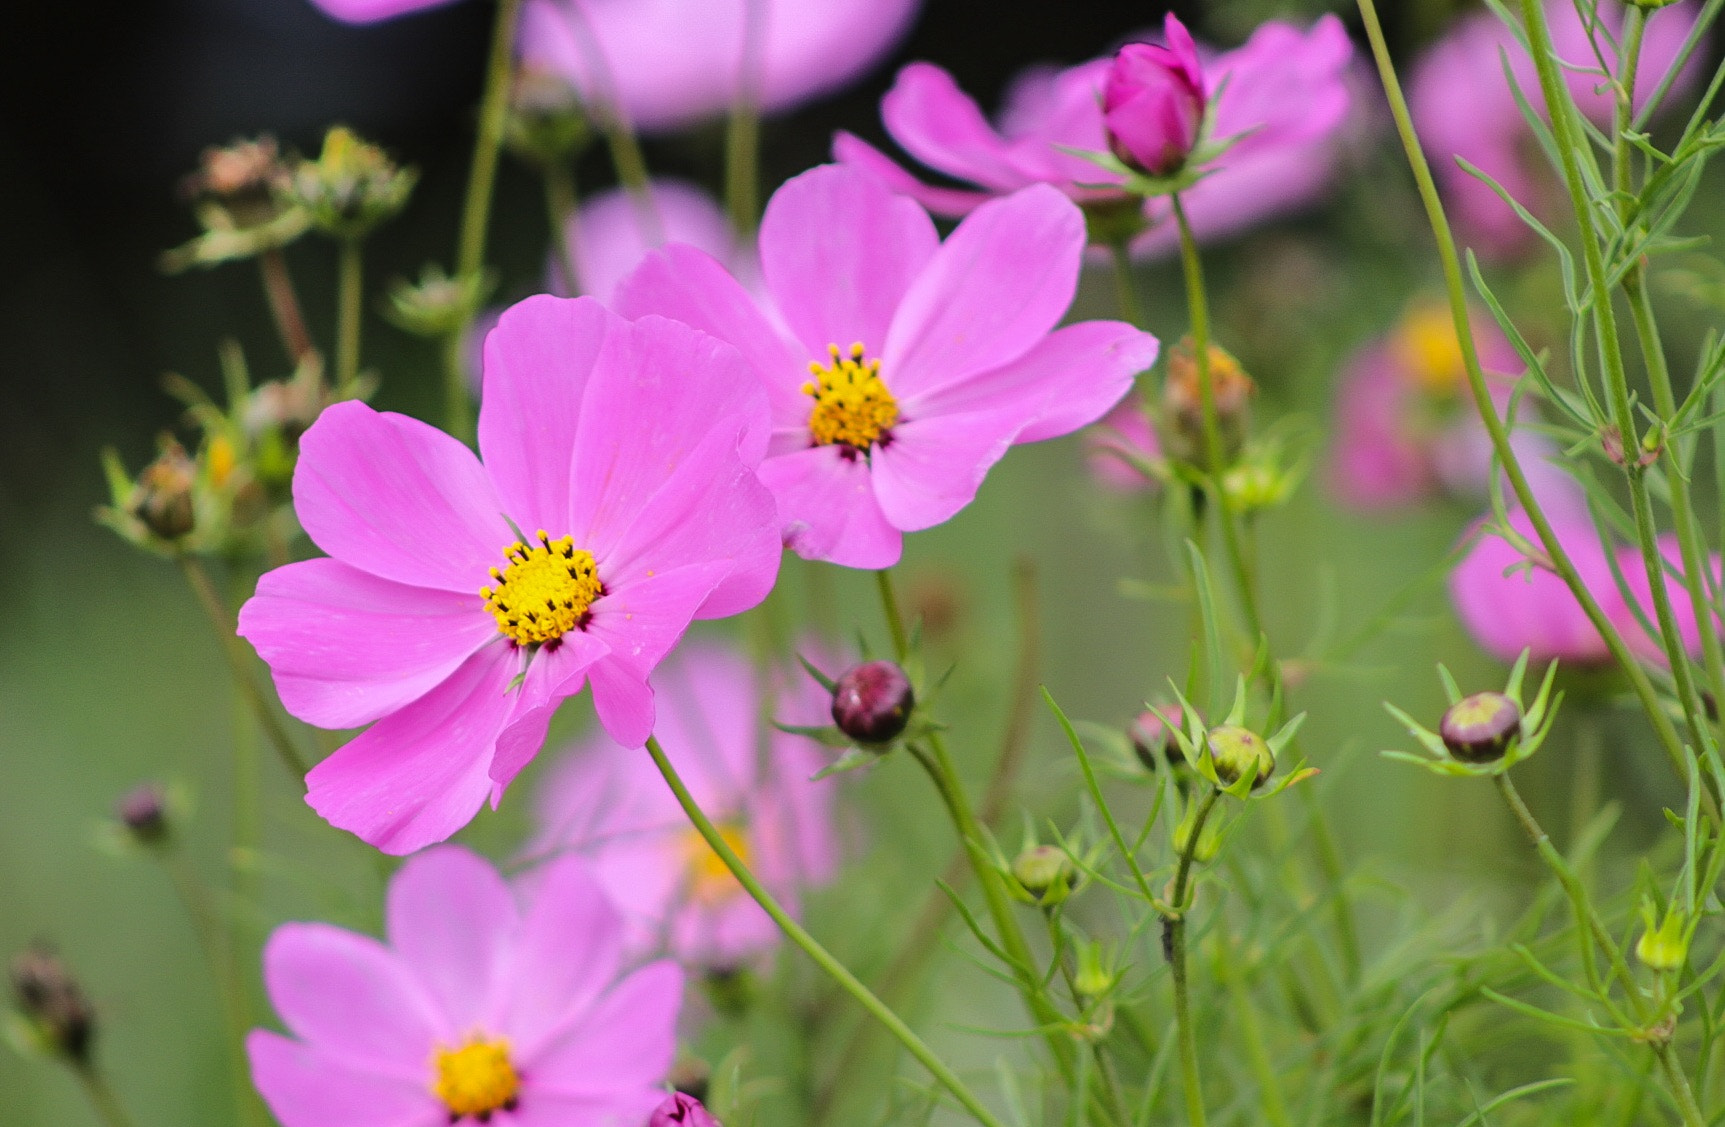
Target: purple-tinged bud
{"points": [[682, 1110], [1153, 102], [143, 810], [162, 498], [1236, 752], [1480, 728], [53, 1003], [1045, 872], [1152, 740], [872, 702]]}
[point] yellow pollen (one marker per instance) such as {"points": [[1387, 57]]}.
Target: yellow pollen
{"points": [[1429, 353], [475, 1079], [852, 406], [545, 590], [709, 881]]}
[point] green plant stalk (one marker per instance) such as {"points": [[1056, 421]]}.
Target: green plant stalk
{"points": [[743, 126], [284, 304], [1252, 1032], [1175, 922], [1125, 289], [560, 205], [349, 313], [1562, 565], [812, 947], [1588, 918], [1111, 1096], [1198, 306], [108, 1107], [493, 111]]}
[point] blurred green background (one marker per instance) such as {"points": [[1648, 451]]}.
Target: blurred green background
{"points": [[109, 676]]}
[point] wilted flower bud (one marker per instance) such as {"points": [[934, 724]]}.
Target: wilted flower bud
{"points": [[162, 496], [872, 702], [241, 179], [351, 186], [1045, 872], [143, 810], [54, 1004], [1479, 729], [547, 123], [1236, 752], [1183, 402], [1153, 102], [437, 304], [682, 1110], [1152, 740]]}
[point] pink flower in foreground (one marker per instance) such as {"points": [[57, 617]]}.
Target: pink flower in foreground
{"points": [[610, 235], [480, 1009], [610, 805], [668, 63], [1114, 447], [1153, 101], [1284, 94], [899, 368], [1464, 107], [624, 454], [1508, 604]]}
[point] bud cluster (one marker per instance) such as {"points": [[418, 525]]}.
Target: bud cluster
{"points": [[351, 187], [53, 1004]]}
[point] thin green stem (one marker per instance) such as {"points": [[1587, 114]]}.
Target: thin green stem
{"points": [[284, 304], [349, 310], [743, 128], [108, 1107], [812, 947], [889, 609], [1125, 286], [1561, 563], [239, 664], [1111, 1095], [493, 110], [1257, 1055], [1175, 925], [1198, 305], [560, 208]]}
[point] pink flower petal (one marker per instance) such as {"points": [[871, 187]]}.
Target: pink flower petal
{"points": [[828, 508], [569, 951], [398, 498], [610, 237], [1531, 608], [1068, 380], [420, 774], [537, 363], [554, 676], [352, 997], [451, 921], [941, 126], [853, 152], [994, 289], [305, 1087], [839, 282], [346, 647], [374, 11], [934, 466], [627, 1039]]}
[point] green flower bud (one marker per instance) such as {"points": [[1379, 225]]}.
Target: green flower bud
{"points": [[1237, 752], [1663, 948], [351, 187], [1045, 873], [1480, 728]]}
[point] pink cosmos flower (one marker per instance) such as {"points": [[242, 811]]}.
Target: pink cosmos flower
{"points": [[1111, 447], [1464, 107], [464, 600], [609, 236], [899, 368], [611, 806], [667, 63], [374, 11], [1153, 101], [1284, 94], [481, 1008]]}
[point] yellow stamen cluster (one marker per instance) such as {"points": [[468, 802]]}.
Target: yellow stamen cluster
{"points": [[475, 1079], [709, 881], [852, 406], [1428, 350], [544, 592]]}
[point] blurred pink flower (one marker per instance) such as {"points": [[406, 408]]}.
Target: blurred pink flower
{"points": [[624, 454], [682, 1110], [1464, 107], [610, 236], [609, 804], [1153, 101], [482, 1008], [1284, 93], [374, 11], [1125, 431], [667, 63], [899, 368]]}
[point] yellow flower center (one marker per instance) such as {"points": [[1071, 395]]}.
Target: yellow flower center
{"points": [[475, 1079], [1429, 353], [545, 590], [709, 880], [852, 406]]}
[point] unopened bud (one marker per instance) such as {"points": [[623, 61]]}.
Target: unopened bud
{"points": [[1153, 102], [682, 1110], [53, 1003], [547, 124], [143, 810], [1480, 728], [352, 185], [241, 179], [1045, 872], [872, 702], [1183, 402], [690, 1076], [1154, 742], [162, 497], [1237, 752]]}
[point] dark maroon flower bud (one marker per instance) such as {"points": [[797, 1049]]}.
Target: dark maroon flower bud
{"points": [[1479, 729], [1153, 102], [1152, 740], [872, 702], [1237, 751], [682, 1110], [53, 1003], [143, 810]]}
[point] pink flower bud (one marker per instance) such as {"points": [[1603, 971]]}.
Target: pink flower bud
{"points": [[682, 1110], [1153, 101], [872, 702]]}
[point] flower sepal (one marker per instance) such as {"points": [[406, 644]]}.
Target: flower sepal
{"points": [[1232, 756], [1486, 733], [438, 305]]}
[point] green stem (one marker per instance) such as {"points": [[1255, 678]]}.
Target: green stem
{"points": [[1198, 304], [109, 1110], [889, 609], [493, 110], [239, 664], [1561, 564], [1111, 1096], [1252, 1032], [743, 128], [350, 307], [284, 304], [1125, 288], [560, 209], [811, 947], [1175, 923]]}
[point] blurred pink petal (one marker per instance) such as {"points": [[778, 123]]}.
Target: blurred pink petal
{"points": [[374, 11], [1126, 429]]}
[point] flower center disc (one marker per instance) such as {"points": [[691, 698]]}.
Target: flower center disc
{"points": [[545, 590], [710, 881], [852, 406], [475, 1079], [1429, 351]]}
